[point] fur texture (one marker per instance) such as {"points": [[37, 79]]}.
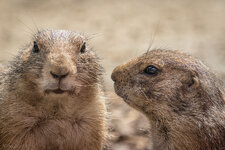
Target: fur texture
{"points": [[51, 97], [184, 102]]}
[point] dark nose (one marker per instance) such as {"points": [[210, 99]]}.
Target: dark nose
{"points": [[113, 76], [116, 74], [59, 76]]}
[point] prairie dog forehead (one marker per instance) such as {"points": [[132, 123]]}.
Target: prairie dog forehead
{"points": [[150, 58], [171, 58], [59, 38]]}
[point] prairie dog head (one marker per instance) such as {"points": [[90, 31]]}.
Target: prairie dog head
{"points": [[57, 62], [163, 82]]}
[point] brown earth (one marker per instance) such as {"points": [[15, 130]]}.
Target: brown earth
{"points": [[122, 30]]}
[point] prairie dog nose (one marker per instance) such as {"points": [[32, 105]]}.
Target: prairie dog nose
{"points": [[59, 67], [59, 76], [59, 71], [116, 73]]}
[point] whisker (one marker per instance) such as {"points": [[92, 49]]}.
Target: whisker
{"points": [[143, 93], [153, 37], [92, 36]]}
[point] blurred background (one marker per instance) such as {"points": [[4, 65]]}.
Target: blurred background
{"points": [[121, 30]]}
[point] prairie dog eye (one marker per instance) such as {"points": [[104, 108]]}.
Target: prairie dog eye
{"points": [[151, 70], [83, 48], [35, 47]]}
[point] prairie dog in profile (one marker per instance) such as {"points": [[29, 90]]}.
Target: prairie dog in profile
{"points": [[181, 97]]}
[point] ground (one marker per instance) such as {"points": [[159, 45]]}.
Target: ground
{"points": [[121, 30]]}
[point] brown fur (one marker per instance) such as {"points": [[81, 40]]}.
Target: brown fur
{"points": [[32, 116], [184, 102]]}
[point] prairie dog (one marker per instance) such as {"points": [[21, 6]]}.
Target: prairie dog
{"points": [[51, 97], [181, 97]]}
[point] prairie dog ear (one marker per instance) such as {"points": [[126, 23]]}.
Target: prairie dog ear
{"points": [[190, 79]]}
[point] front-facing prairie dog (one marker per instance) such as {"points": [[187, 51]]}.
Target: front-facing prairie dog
{"points": [[51, 98], [182, 98]]}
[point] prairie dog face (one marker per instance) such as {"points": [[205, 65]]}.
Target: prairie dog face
{"points": [[60, 62], [159, 80]]}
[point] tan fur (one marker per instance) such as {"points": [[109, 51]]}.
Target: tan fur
{"points": [[184, 102], [32, 116], [1, 68]]}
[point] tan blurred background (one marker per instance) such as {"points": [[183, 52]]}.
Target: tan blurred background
{"points": [[122, 29]]}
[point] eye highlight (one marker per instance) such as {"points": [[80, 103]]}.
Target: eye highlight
{"points": [[35, 47], [151, 70], [83, 48]]}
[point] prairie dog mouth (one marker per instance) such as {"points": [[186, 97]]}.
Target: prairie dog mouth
{"points": [[56, 91]]}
